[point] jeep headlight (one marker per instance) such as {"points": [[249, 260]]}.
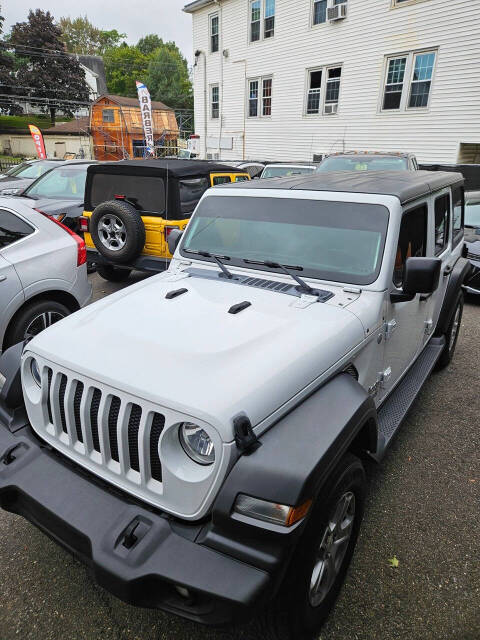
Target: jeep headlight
{"points": [[35, 371], [196, 443]]}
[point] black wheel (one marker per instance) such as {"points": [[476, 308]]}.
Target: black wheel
{"points": [[451, 336], [34, 318], [117, 231], [318, 567], [113, 274]]}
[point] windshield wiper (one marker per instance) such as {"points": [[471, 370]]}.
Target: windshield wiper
{"points": [[286, 268], [218, 260]]}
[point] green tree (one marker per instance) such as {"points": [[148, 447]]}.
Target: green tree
{"points": [[46, 70], [168, 78], [7, 76], [81, 36], [123, 66], [149, 43]]}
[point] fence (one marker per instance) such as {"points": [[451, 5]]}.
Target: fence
{"points": [[8, 163]]}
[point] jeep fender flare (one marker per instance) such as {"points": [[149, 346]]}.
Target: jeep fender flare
{"points": [[296, 458], [459, 273]]}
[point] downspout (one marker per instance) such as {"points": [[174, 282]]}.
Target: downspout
{"points": [[198, 53]]}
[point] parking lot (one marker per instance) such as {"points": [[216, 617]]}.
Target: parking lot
{"points": [[423, 509]]}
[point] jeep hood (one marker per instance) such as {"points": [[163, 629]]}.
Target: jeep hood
{"points": [[191, 355]]}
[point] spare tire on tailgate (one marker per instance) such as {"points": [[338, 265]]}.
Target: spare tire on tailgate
{"points": [[117, 231]]}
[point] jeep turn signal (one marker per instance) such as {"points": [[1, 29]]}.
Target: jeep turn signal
{"points": [[272, 512]]}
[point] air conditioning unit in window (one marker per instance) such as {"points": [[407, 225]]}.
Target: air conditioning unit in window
{"points": [[213, 156], [330, 108], [338, 12]]}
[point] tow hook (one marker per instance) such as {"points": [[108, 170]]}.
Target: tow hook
{"points": [[13, 453]]}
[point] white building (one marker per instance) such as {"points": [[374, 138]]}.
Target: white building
{"points": [[283, 80]]}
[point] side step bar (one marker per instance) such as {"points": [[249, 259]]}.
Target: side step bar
{"points": [[394, 410]]}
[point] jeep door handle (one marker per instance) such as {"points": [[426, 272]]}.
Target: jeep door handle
{"points": [[2, 278]]}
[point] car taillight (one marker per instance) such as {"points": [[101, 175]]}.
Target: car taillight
{"points": [[81, 247], [168, 231], [83, 223]]}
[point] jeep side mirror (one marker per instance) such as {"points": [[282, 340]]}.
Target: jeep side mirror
{"points": [[421, 275], [174, 238]]}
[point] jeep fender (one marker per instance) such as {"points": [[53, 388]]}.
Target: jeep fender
{"points": [[12, 408], [295, 460], [459, 273]]}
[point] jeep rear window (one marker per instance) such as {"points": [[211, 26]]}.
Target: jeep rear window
{"points": [[337, 241], [190, 193], [147, 193]]}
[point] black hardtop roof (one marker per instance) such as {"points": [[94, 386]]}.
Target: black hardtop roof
{"points": [[175, 167], [405, 185]]}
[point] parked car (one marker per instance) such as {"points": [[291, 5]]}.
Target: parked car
{"points": [[369, 161], [254, 169], [43, 274], [286, 170], [299, 320], [20, 177], [132, 206], [472, 239], [60, 192]]}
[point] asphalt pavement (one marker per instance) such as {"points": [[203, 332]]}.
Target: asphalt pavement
{"points": [[423, 509]]}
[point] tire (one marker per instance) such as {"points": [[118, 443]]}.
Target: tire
{"points": [[298, 612], [113, 274], [32, 319], [117, 231], [451, 336]]}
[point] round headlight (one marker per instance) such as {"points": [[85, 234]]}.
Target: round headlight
{"points": [[197, 443], [35, 372]]}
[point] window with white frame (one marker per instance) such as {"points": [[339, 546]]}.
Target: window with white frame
{"points": [[261, 27], [260, 97], [323, 90], [214, 101], [319, 11], [214, 33], [408, 81]]}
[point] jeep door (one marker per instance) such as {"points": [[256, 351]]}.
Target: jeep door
{"points": [[405, 321]]}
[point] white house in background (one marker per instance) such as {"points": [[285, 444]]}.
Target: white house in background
{"points": [[283, 80]]}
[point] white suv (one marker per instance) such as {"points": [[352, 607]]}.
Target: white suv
{"points": [[43, 274], [206, 430]]}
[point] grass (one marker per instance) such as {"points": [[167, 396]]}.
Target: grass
{"points": [[22, 122]]}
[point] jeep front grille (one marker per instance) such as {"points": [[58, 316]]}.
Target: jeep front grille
{"points": [[103, 428]]}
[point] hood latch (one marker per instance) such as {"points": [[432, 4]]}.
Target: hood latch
{"points": [[245, 438]]}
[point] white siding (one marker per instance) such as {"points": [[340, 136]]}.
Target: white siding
{"points": [[372, 30]]}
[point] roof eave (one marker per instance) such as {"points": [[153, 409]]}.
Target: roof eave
{"points": [[191, 7]]}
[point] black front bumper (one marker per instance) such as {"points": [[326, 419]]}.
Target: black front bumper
{"points": [[93, 522]]}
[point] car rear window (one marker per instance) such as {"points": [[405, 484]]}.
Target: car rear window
{"points": [[145, 192]]}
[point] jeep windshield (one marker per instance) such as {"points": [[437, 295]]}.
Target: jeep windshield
{"points": [[337, 241]]}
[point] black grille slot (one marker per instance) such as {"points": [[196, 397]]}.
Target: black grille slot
{"points": [[94, 407], [49, 403], [112, 426], [76, 409], [133, 426], [271, 285], [61, 401], [158, 423]]}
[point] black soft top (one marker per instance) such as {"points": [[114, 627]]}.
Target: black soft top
{"points": [[405, 185], [161, 167]]}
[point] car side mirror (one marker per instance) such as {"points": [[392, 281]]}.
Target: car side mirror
{"points": [[174, 238], [421, 275]]}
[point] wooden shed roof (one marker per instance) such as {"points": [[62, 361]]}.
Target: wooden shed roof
{"points": [[131, 102]]}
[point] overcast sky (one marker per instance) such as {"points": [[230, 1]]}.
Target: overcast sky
{"points": [[136, 18]]}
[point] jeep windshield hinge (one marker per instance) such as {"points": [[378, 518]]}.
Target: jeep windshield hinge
{"points": [[245, 438]]}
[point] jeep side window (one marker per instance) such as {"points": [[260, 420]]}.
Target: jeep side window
{"points": [[458, 200], [442, 216], [12, 228], [412, 241], [221, 180]]}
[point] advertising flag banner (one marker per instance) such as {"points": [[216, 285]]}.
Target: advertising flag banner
{"points": [[38, 141], [146, 109]]}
